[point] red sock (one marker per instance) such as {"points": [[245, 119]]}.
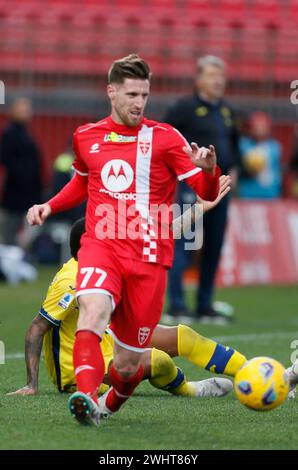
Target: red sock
{"points": [[88, 363], [121, 389]]}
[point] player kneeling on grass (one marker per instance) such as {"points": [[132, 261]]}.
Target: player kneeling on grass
{"points": [[55, 327]]}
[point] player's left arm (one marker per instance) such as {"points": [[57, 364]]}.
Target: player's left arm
{"points": [[202, 157], [206, 182], [33, 346], [192, 164], [184, 222]]}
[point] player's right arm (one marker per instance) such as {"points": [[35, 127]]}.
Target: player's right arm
{"points": [[74, 193], [33, 346]]}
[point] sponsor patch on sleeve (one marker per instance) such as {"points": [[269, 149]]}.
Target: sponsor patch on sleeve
{"points": [[66, 301]]}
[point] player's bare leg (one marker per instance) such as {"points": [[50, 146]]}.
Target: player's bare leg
{"points": [[125, 374], [95, 312]]}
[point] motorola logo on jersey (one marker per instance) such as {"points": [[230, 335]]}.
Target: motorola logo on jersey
{"points": [[117, 175]]}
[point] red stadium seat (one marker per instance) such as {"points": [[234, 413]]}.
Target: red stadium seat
{"points": [[169, 33], [199, 10], [232, 10], [268, 11], [293, 11]]}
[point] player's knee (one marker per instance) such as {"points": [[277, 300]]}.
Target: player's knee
{"points": [[126, 368], [126, 371]]}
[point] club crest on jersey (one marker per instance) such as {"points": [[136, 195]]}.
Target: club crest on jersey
{"points": [[94, 148], [117, 175], [143, 335], [144, 147]]}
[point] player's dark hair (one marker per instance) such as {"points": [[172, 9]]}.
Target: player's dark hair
{"points": [[76, 231], [131, 66]]}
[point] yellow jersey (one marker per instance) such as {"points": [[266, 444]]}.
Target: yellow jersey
{"points": [[61, 310]]}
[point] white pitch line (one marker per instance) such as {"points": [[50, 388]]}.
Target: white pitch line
{"points": [[258, 336], [228, 338], [17, 355]]}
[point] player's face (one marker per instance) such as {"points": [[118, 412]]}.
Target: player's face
{"points": [[129, 100], [211, 82]]}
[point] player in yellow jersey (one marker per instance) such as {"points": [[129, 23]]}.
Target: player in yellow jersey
{"points": [[56, 323], [55, 326]]}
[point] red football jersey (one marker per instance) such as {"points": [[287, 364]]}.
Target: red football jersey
{"points": [[132, 173]]}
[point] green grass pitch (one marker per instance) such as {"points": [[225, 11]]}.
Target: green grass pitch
{"points": [[266, 324]]}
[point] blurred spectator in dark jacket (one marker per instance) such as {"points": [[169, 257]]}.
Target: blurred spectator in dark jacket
{"points": [[206, 118], [51, 245], [20, 158], [62, 174], [261, 174]]}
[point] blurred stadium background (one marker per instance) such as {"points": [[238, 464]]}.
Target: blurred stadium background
{"points": [[58, 54]]}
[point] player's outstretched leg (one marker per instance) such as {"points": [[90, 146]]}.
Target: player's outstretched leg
{"points": [[208, 354], [166, 376], [292, 373], [183, 341]]}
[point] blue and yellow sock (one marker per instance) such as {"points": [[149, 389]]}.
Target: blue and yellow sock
{"points": [[166, 376], [208, 354]]}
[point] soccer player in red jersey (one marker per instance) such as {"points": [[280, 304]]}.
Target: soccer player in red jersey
{"points": [[127, 166]]}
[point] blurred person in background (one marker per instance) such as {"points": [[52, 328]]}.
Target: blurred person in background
{"points": [[21, 160], [291, 181], [50, 246], [62, 174], [206, 118], [261, 175]]}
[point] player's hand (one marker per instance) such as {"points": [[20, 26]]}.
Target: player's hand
{"points": [[224, 188], [38, 213], [27, 390], [202, 157]]}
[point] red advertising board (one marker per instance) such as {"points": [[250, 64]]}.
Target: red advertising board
{"points": [[261, 244]]}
